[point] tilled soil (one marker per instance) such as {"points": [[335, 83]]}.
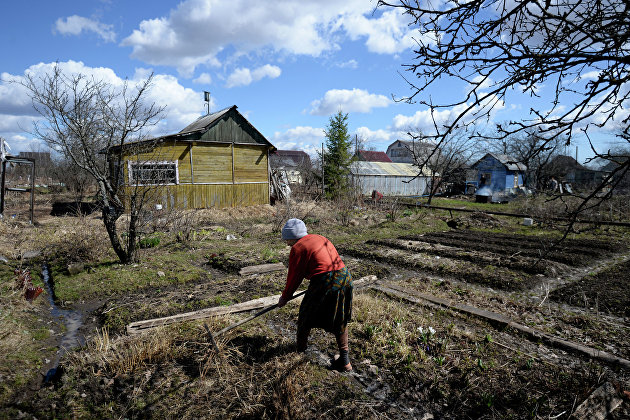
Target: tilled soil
{"points": [[465, 260], [606, 291], [465, 368], [513, 262], [571, 252]]}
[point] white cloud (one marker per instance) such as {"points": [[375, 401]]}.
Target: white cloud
{"points": [[425, 120], [13, 97], [183, 105], [350, 64], [355, 100], [388, 34], [593, 75], [240, 77], [203, 79], [197, 31], [14, 124], [19, 143], [75, 25], [377, 136], [308, 139], [266, 71], [245, 76], [480, 83]]}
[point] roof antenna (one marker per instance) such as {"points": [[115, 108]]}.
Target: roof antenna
{"points": [[206, 97]]}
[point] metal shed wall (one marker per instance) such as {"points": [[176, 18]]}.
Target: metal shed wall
{"points": [[388, 178]]}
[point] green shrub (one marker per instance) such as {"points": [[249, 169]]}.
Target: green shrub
{"points": [[149, 242]]}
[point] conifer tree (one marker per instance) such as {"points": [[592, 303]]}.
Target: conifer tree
{"points": [[337, 156]]}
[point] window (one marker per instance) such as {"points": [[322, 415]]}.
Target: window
{"points": [[153, 173]]}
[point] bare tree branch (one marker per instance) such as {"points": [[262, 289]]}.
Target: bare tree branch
{"points": [[579, 48], [82, 118]]}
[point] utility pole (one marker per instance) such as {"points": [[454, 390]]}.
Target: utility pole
{"points": [[323, 162]]}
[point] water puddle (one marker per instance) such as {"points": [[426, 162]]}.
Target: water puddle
{"points": [[72, 321]]}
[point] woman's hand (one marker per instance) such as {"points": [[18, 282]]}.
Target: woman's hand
{"points": [[282, 301]]}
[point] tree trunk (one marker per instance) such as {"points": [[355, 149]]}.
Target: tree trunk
{"points": [[111, 213], [431, 191], [132, 233], [109, 219]]}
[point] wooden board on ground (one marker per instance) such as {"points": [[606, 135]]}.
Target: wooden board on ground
{"points": [[260, 269], [502, 321], [140, 326], [599, 404]]}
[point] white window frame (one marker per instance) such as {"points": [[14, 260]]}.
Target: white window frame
{"points": [[131, 163]]}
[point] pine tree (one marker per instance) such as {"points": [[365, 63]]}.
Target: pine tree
{"points": [[338, 156]]}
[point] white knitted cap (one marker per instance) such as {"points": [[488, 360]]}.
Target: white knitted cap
{"points": [[294, 229]]}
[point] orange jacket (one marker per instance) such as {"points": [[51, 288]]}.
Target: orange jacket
{"points": [[311, 255]]}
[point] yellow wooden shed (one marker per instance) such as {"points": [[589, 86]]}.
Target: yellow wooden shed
{"points": [[220, 160]]}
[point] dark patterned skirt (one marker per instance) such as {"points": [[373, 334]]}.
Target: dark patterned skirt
{"points": [[327, 303]]}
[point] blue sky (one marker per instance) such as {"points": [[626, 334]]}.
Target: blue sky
{"points": [[288, 64]]}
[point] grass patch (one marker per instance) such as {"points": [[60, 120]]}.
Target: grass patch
{"points": [[114, 279], [23, 336], [457, 370]]}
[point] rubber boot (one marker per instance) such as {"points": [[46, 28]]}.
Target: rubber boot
{"points": [[302, 339], [342, 363]]}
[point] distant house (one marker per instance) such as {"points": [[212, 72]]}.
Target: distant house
{"points": [[292, 163], [388, 178], [620, 179], [402, 151], [567, 169], [42, 160], [220, 160], [372, 156], [500, 173]]}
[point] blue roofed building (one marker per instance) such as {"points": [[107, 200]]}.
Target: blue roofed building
{"points": [[499, 174]]}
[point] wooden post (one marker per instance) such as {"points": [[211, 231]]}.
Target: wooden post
{"points": [[233, 175], [192, 172], [4, 171], [323, 183], [32, 189]]}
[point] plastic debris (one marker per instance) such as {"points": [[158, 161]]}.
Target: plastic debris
{"points": [[24, 281]]}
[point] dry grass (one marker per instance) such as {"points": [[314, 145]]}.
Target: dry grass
{"points": [[128, 354], [174, 372], [391, 334], [462, 369]]}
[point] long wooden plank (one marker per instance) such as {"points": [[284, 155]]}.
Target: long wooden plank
{"points": [[502, 321], [141, 326], [138, 326], [262, 268]]}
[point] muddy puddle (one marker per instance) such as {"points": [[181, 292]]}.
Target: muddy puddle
{"points": [[71, 320]]}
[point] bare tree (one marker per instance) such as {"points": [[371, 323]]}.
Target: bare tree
{"points": [[83, 117], [616, 158], [76, 179], [445, 164], [579, 47], [533, 150]]}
